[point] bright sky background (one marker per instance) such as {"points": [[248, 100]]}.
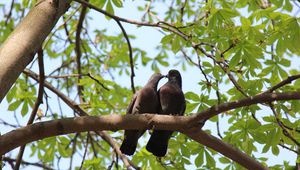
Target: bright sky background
{"points": [[147, 39]]}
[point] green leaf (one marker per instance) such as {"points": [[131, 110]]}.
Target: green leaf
{"points": [[285, 62], [176, 44], [199, 160], [251, 60], [266, 148], [278, 3], [245, 22], [288, 6], [228, 13], [24, 109], [11, 94], [167, 39], [258, 136], [276, 137], [280, 47], [63, 151], [190, 107], [283, 73], [224, 160], [13, 106], [235, 59], [275, 150], [118, 3], [109, 8], [192, 96], [209, 159]]}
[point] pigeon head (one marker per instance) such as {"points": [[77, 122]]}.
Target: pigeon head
{"points": [[154, 79], [174, 77]]}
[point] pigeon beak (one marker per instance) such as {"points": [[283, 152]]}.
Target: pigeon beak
{"points": [[165, 76]]}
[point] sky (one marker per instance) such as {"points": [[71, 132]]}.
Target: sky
{"points": [[147, 39]]}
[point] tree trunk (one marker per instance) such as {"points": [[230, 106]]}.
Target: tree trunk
{"points": [[20, 47]]}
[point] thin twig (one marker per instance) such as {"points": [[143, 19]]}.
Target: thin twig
{"points": [[10, 160], [130, 56], [72, 104], [285, 147], [280, 123], [182, 10], [201, 69], [111, 165], [74, 141], [283, 83], [92, 144], [194, 63], [78, 51], [10, 12], [9, 124], [85, 151], [101, 84], [59, 27], [77, 75], [67, 31], [63, 65], [38, 101], [223, 52], [160, 24], [219, 102]]}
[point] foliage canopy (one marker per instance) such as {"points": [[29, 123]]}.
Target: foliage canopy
{"points": [[239, 48]]}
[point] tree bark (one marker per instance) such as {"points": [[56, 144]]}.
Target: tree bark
{"points": [[19, 48], [45, 129]]}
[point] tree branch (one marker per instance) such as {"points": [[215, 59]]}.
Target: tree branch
{"points": [[78, 50], [179, 123], [224, 148], [284, 82], [45, 129], [8, 16], [85, 151], [130, 56], [159, 24], [72, 104], [7, 159], [37, 103], [19, 48], [260, 98], [281, 125]]}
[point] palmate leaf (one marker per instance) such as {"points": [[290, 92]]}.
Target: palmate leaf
{"points": [[259, 43], [220, 16]]}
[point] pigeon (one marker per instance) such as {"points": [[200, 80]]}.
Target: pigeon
{"points": [[144, 101], [172, 101]]}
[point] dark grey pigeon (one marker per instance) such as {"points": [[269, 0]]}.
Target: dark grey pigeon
{"points": [[172, 101], [145, 101]]}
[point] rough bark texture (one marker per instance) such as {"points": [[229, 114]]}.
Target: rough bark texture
{"points": [[20, 47]]}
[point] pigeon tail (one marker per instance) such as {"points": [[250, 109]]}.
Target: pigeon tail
{"points": [[158, 142], [128, 146]]}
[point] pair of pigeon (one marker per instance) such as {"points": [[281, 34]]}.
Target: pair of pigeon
{"points": [[169, 99]]}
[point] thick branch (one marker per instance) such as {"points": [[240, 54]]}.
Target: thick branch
{"points": [[42, 130], [45, 129], [19, 48], [179, 123], [224, 148], [260, 98], [81, 112]]}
